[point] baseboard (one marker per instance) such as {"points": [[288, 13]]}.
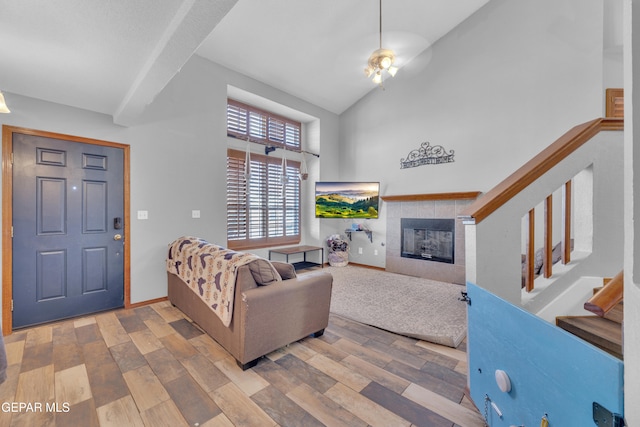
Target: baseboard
{"points": [[148, 302], [372, 267]]}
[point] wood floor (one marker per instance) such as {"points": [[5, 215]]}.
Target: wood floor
{"points": [[150, 366]]}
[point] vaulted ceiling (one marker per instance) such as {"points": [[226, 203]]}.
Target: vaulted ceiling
{"points": [[115, 56]]}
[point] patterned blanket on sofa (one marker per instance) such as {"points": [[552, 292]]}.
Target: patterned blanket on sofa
{"points": [[209, 270]]}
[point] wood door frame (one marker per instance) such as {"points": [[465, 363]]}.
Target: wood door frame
{"points": [[7, 213]]}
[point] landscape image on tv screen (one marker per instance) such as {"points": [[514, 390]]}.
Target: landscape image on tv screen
{"points": [[347, 199]]}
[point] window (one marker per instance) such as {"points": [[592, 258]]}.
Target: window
{"points": [[248, 122], [615, 103], [265, 212]]}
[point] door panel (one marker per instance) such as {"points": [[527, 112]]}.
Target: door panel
{"points": [[51, 274], [51, 206], [94, 207], [94, 268], [66, 261]]}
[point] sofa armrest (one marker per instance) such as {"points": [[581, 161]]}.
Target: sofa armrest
{"points": [[283, 312]]}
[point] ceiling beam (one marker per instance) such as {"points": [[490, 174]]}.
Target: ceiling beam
{"points": [[191, 25]]}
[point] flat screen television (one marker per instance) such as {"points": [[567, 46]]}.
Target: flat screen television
{"points": [[347, 199]]}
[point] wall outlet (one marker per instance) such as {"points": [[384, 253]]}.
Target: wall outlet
{"points": [[195, 214], [360, 251], [143, 214], [375, 252]]}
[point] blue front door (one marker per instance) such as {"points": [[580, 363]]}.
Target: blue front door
{"points": [[68, 230]]}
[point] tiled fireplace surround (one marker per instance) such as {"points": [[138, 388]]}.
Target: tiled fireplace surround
{"points": [[446, 205]]}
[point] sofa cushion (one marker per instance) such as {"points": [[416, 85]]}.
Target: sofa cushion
{"points": [[263, 272], [286, 270]]}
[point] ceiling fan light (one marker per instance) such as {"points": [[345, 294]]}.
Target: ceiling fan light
{"points": [[3, 105], [381, 60]]}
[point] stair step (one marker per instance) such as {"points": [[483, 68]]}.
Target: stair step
{"points": [[616, 314], [603, 333]]}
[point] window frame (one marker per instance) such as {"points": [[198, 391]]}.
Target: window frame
{"points": [[254, 124], [241, 213]]}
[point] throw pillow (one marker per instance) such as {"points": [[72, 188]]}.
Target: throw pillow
{"points": [[263, 272], [286, 270]]}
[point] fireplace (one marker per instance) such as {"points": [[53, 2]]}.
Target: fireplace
{"points": [[429, 239], [425, 206]]}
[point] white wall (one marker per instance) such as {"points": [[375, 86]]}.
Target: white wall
{"points": [[178, 154], [498, 89], [632, 214], [613, 41]]}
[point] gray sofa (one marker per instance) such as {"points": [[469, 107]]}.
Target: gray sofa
{"points": [[264, 318]]}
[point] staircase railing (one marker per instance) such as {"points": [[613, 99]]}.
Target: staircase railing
{"points": [[547, 254], [538, 166], [603, 301], [534, 171]]}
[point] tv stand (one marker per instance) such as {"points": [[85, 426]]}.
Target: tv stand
{"points": [[369, 233]]}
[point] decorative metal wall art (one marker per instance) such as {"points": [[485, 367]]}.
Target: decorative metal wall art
{"points": [[427, 155]]}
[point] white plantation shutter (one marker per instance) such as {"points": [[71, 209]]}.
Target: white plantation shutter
{"points": [[276, 130], [292, 135], [236, 119], [261, 213], [257, 126], [292, 200], [615, 103], [276, 202], [247, 122], [257, 201], [236, 200]]}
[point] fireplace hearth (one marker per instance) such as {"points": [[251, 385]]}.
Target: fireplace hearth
{"points": [[429, 239]]}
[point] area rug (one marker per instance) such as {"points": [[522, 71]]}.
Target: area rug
{"points": [[421, 308]]}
